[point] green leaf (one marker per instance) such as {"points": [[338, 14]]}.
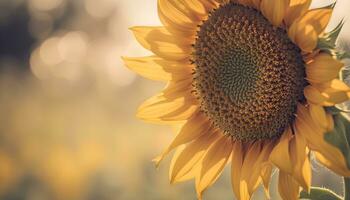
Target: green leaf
{"points": [[335, 110], [330, 6], [328, 41], [346, 121], [340, 136], [334, 34], [345, 73], [343, 55], [319, 194], [325, 44]]}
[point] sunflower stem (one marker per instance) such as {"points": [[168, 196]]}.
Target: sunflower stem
{"points": [[346, 188]]}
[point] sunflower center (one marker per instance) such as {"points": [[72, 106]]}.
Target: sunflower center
{"points": [[249, 76]]}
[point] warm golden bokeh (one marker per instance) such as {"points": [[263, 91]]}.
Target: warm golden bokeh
{"points": [[67, 124]]}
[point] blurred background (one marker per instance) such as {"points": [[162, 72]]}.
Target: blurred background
{"points": [[67, 105]]}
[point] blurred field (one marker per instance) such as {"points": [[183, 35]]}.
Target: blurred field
{"points": [[67, 105]]}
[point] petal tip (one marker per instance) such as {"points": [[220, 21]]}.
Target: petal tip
{"points": [[156, 161]]}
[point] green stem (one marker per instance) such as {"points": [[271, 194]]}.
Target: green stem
{"points": [[346, 188]]}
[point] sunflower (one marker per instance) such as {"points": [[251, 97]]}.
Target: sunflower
{"points": [[252, 83]]}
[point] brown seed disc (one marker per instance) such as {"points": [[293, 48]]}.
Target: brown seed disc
{"points": [[249, 76]]}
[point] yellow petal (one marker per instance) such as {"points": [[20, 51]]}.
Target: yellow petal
{"points": [[274, 11], [266, 174], [156, 68], [305, 122], [292, 32], [209, 4], [280, 154], [307, 28], [262, 168], [177, 17], [327, 154], [331, 158], [297, 8], [334, 85], [224, 1], [161, 109], [307, 38], [256, 3], [330, 122], [306, 174], [318, 114], [179, 89], [186, 176], [252, 155], [299, 154], [257, 156], [263, 159], [195, 127], [288, 188], [251, 3], [337, 167], [318, 18], [162, 43], [337, 97], [246, 2], [323, 68], [192, 8], [176, 155], [191, 155], [313, 95], [302, 168], [213, 163], [237, 162]]}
